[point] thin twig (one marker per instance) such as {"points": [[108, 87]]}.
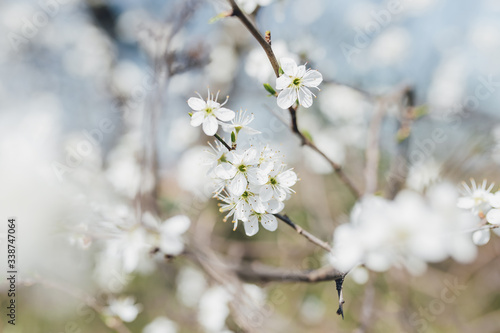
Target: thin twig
{"points": [[266, 46], [263, 273], [373, 149], [221, 140], [310, 237]]}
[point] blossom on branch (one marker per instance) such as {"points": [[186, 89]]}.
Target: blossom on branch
{"points": [[294, 84], [209, 113]]}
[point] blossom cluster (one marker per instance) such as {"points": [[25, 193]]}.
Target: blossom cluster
{"points": [[252, 181], [486, 205], [408, 232]]}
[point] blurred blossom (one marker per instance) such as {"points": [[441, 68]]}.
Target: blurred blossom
{"points": [[223, 65], [359, 274], [390, 47], [124, 307], [249, 6], [343, 103], [448, 83], [213, 309], [407, 232], [257, 64], [161, 325], [476, 197], [312, 310], [192, 170], [130, 23], [424, 175], [191, 284]]}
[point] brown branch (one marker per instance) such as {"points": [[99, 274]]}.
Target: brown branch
{"points": [[399, 166], [310, 237], [265, 42], [373, 149], [263, 273]]}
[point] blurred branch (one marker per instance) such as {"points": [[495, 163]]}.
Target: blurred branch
{"points": [[263, 273], [310, 237], [265, 43], [399, 166], [373, 149]]}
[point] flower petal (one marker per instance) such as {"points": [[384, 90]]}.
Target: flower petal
{"points": [[197, 118], [283, 81], [289, 66], [266, 192], [224, 114], [197, 104], [176, 225], [238, 185], [225, 171], [287, 178], [286, 98], [251, 226], [210, 126], [256, 204], [275, 206], [481, 237], [493, 216], [256, 176], [269, 222], [305, 97], [312, 78]]}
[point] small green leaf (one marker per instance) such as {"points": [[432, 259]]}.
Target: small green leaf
{"points": [[420, 111], [233, 137], [280, 71], [307, 135], [270, 89], [190, 114], [219, 17]]}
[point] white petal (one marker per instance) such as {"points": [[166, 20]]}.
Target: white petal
{"points": [[176, 225], [256, 176], [256, 204], [481, 237], [197, 118], [312, 78], [224, 114], [301, 70], [305, 97], [251, 226], [283, 81], [493, 216], [242, 211], [279, 193], [238, 185], [494, 200], [171, 245], [210, 125], [266, 192], [225, 171], [269, 222], [287, 97], [289, 66], [465, 203], [287, 178], [197, 104], [275, 206]]}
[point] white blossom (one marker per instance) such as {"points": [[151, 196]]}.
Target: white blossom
{"points": [[294, 84], [476, 197], [240, 123], [207, 113], [124, 307]]}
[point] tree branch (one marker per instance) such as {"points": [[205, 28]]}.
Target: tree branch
{"points": [[310, 237], [266, 45], [263, 273]]}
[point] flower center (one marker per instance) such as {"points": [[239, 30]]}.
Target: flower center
{"points": [[223, 158], [296, 82], [273, 181], [245, 194], [209, 110], [242, 168]]}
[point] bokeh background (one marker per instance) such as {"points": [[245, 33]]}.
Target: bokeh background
{"points": [[94, 123]]}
